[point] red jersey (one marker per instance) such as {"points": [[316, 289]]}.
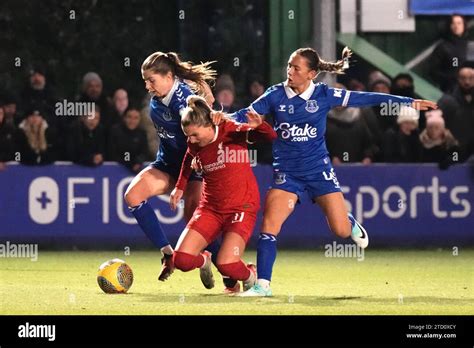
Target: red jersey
{"points": [[229, 184]]}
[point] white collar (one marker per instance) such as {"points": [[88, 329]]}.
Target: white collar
{"points": [[305, 95], [215, 135], [167, 99]]}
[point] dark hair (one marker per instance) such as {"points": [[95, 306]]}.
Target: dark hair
{"points": [[198, 112], [163, 63], [318, 64], [403, 76]]}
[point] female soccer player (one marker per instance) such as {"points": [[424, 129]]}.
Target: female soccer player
{"points": [[164, 75], [230, 198], [301, 160]]}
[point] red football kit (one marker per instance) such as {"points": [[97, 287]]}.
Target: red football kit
{"points": [[230, 198]]}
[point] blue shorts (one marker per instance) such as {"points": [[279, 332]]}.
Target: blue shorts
{"points": [[173, 170], [315, 184]]}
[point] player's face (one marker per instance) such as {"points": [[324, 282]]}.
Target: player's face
{"points": [[157, 84], [298, 73], [199, 135]]}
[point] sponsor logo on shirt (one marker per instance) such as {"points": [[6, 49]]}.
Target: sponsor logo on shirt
{"points": [[295, 133]]}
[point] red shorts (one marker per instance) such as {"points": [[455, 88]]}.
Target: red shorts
{"points": [[210, 224]]}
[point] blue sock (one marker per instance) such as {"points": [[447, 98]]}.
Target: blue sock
{"points": [[266, 255], [149, 223], [214, 249]]}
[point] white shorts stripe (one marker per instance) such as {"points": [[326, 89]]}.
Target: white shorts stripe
{"points": [[346, 98]]}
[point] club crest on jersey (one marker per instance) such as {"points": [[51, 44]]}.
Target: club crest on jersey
{"points": [[167, 116], [312, 106], [280, 178]]}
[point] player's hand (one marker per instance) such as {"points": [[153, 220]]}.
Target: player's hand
{"points": [[175, 197], [196, 165], [218, 117], [421, 104], [253, 119]]}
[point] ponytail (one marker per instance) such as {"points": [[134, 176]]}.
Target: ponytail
{"points": [[198, 112], [320, 65], [199, 75]]}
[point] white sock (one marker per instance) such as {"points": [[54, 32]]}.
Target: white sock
{"points": [[264, 283], [168, 250], [205, 257], [251, 278]]}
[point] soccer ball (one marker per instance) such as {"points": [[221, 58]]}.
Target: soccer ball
{"points": [[115, 277]]}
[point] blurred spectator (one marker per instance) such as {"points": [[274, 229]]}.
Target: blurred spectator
{"points": [[376, 76], [403, 145], [127, 142], [437, 141], [450, 53], [378, 124], [12, 116], [119, 105], [225, 93], [458, 109], [255, 88], [87, 142], [403, 85], [39, 94], [7, 140], [347, 135], [148, 126], [36, 140], [92, 91], [355, 85]]}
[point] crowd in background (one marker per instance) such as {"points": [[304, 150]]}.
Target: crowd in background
{"points": [[33, 132]]}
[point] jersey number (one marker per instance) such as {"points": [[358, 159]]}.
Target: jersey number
{"points": [[238, 217]]}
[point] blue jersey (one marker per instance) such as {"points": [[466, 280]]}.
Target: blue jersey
{"points": [[300, 122], [165, 115]]}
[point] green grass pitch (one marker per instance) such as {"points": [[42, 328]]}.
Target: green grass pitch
{"points": [[304, 282]]}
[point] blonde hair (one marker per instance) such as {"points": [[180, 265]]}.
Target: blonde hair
{"points": [[200, 74], [320, 65], [197, 113]]}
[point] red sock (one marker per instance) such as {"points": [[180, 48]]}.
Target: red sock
{"points": [[187, 262], [236, 270]]}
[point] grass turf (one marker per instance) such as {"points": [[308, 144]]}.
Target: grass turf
{"points": [[304, 282]]}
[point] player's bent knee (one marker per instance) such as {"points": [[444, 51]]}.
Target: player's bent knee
{"points": [[184, 262], [130, 198]]}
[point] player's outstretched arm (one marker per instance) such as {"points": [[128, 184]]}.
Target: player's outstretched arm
{"points": [[253, 119], [421, 104]]}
